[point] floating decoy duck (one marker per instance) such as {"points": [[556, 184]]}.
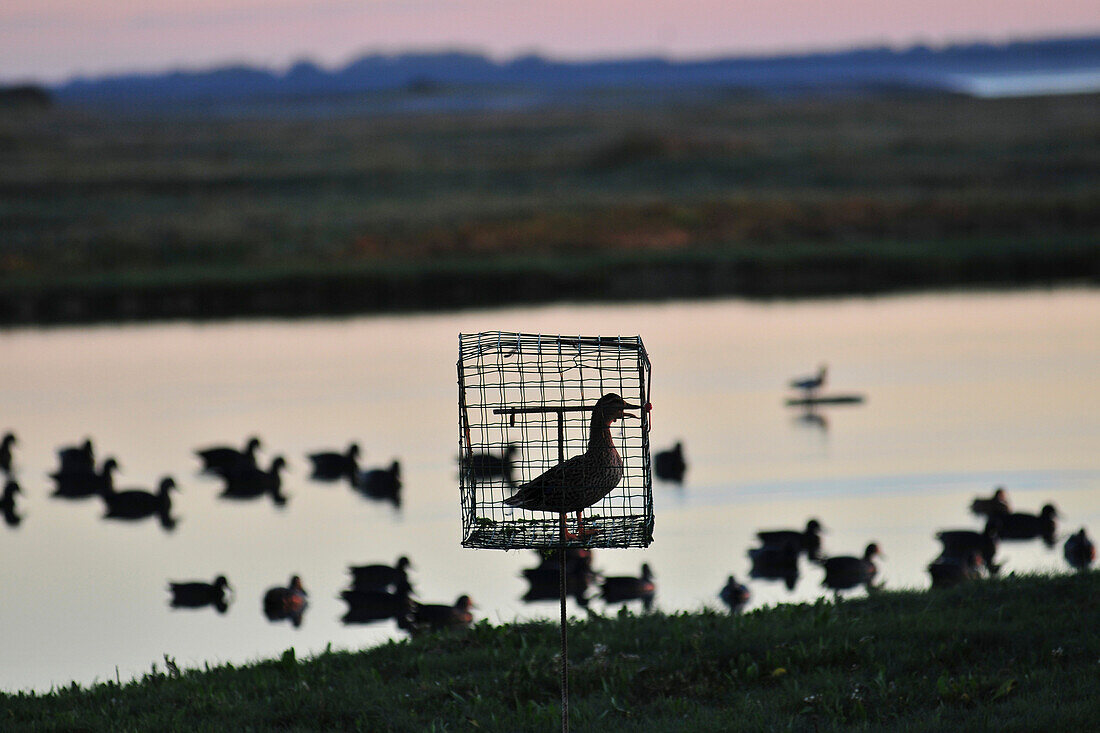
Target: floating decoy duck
{"points": [[383, 484], [366, 606], [1079, 550], [331, 466], [489, 466], [992, 506], [735, 595], [435, 617], [951, 569], [844, 572], [138, 504], [960, 542], [545, 580], [380, 577], [669, 465], [76, 459], [581, 481], [808, 541], [79, 484], [251, 483], [811, 384], [287, 603], [5, 452], [619, 589], [226, 461], [198, 594], [1021, 526], [7, 504]]}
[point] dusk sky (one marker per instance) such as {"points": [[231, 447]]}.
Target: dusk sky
{"points": [[51, 40]]}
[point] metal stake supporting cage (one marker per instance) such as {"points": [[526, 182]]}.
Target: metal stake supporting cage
{"points": [[525, 405]]}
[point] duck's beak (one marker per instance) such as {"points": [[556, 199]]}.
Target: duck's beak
{"points": [[628, 406]]}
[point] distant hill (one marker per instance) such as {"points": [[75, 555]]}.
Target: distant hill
{"points": [[958, 68]]}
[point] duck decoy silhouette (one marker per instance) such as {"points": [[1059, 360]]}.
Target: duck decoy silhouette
{"points": [[1079, 551], [775, 562], [5, 452], [619, 589], [545, 579], [76, 459], [1022, 526], [845, 571], [489, 466], [669, 465], [383, 484], [138, 504], [951, 569], [286, 603], [198, 594], [251, 483], [380, 577], [735, 595], [226, 461], [7, 503], [579, 482], [436, 617], [961, 542], [810, 385], [369, 605], [332, 466], [991, 506], [80, 484], [808, 540]]}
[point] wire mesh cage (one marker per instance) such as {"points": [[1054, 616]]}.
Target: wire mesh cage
{"points": [[530, 402]]}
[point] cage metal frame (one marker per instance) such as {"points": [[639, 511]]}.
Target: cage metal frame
{"points": [[536, 392]]}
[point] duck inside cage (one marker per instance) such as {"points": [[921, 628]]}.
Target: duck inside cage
{"points": [[554, 441]]}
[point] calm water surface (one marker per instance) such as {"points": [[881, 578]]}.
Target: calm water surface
{"points": [[964, 391]]}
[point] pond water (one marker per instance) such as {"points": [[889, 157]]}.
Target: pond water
{"points": [[963, 392]]}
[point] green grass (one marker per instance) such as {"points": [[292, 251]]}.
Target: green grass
{"points": [[1016, 654]]}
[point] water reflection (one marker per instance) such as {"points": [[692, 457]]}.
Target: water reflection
{"points": [[6, 452], [371, 606], [775, 562], [199, 594]]}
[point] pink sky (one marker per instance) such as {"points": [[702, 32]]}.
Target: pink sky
{"points": [[50, 40]]}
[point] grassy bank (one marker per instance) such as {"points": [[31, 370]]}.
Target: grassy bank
{"points": [[1018, 654], [107, 216]]}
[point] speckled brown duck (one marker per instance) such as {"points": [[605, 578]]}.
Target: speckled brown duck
{"points": [[581, 481]]}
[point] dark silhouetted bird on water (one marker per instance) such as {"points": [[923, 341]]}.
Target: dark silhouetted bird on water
{"points": [[198, 594], [844, 572], [489, 466], [138, 503], [78, 484], [7, 503], [995, 505], [252, 483], [619, 589], [808, 540], [951, 569], [382, 484], [226, 461], [332, 466], [544, 581], [76, 459], [960, 542], [809, 385], [436, 617], [579, 482], [735, 595], [286, 603], [669, 465], [1022, 526], [380, 577], [5, 452], [370, 605], [1079, 551]]}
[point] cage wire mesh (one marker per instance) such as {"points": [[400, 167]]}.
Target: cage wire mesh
{"points": [[525, 405]]}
